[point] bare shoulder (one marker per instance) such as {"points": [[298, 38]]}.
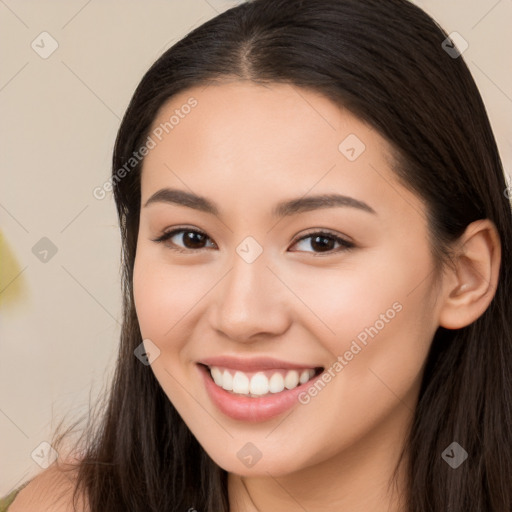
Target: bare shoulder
{"points": [[49, 491]]}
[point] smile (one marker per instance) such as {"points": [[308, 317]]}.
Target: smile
{"points": [[257, 390], [261, 383]]}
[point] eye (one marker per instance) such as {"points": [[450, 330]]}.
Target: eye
{"points": [[194, 240], [321, 241], [324, 241]]}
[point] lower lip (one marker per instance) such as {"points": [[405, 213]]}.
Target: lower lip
{"points": [[250, 409]]}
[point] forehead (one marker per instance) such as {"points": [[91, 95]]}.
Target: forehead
{"points": [[280, 116], [247, 142]]}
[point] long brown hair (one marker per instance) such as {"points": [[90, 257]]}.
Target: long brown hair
{"points": [[384, 61]]}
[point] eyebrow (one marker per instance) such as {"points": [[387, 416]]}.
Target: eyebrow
{"points": [[282, 209]]}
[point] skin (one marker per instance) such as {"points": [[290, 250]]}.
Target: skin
{"points": [[247, 147]]}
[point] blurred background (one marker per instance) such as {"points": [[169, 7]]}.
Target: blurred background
{"points": [[68, 71]]}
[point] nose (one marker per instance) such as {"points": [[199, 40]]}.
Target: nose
{"points": [[251, 303]]}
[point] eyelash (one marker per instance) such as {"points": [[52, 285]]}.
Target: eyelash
{"points": [[345, 244]]}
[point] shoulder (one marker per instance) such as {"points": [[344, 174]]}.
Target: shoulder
{"points": [[49, 491]]}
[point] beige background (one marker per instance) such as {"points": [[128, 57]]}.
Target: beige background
{"points": [[59, 116]]}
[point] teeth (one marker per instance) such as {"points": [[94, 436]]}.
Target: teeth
{"points": [[259, 383], [304, 376], [240, 383], [276, 383], [227, 381], [292, 379], [217, 376]]}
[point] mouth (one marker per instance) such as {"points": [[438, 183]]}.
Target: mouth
{"points": [[253, 395], [260, 383]]}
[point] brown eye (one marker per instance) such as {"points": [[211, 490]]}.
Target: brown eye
{"points": [[324, 242], [191, 239], [187, 240]]}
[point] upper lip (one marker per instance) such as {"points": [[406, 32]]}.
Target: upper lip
{"points": [[253, 363]]}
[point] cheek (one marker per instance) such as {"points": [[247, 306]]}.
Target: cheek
{"points": [[164, 295], [148, 292], [377, 313], [340, 302]]}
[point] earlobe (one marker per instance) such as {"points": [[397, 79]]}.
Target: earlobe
{"points": [[471, 284]]}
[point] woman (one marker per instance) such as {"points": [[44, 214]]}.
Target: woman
{"points": [[333, 332]]}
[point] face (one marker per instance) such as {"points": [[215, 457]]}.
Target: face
{"points": [[288, 327]]}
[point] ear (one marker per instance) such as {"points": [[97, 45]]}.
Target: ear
{"points": [[471, 283]]}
